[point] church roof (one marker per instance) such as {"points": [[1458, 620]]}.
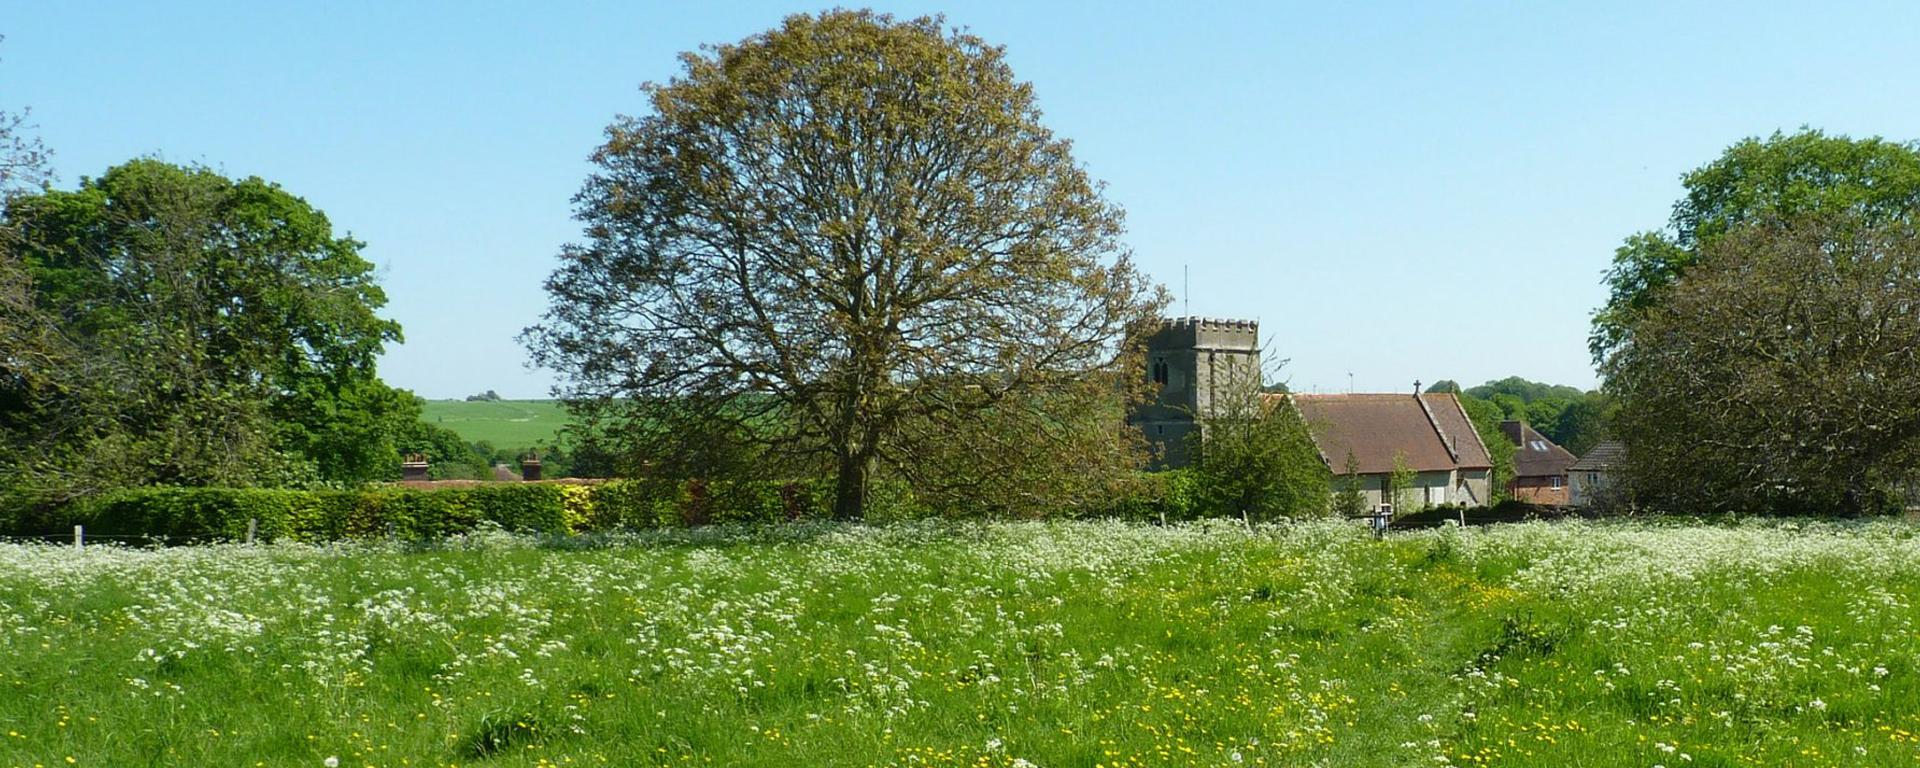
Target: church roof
{"points": [[1431, 431]]}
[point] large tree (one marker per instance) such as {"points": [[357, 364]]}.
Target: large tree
{"points": [[27, 343], [219, 332], [1779, 374], [1780, 178], [828, 239], [1256, 458], [1486, 417]]}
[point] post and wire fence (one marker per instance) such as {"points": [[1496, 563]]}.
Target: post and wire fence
{"points": [[80, 537]]}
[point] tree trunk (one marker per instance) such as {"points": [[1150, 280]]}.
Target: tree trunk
{"points": [[850, 497]]}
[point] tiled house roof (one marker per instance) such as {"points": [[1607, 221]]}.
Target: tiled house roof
{"points": [[1605, 456], [1431, 431], [1533, 454]]}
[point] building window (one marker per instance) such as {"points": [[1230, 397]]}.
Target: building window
{"points": [[1556, 482], [1160, 372]]}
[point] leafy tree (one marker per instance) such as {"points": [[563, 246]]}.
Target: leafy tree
{"points": [[1778, 375], [1546, 414], [1523, 390], [1566, 415], [30, 350], [1486, 418], [1401, 488], [1028, 454], [1512, 407], [1780, 178], [1256, 457], [1582, 424], [221, 334], [1351, 499], [827, 238], [1445, 386]]}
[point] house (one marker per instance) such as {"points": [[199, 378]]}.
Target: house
{"points": [[1539, 467], [1594, 476], [1428, 433], [1191, 361]]}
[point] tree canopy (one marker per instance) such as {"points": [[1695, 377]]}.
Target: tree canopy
{"points": [[1778, 375], [828, 238], [1572, 418], [215, 331], [1784, 177], [1256, 458]]}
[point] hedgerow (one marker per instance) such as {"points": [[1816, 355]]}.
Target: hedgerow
{"points": [[178, 514], [203, 514]]}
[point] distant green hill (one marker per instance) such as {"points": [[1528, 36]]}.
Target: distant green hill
{"points": [[507, 424]]}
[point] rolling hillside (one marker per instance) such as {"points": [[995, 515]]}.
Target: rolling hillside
{"points": [[504, 423]]}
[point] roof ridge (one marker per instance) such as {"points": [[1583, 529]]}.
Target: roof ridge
{"points": [[1472, 431], [1453, 452]]}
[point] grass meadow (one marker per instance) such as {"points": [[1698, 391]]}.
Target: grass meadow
{"points": [[510, 424], [1007, 644]]}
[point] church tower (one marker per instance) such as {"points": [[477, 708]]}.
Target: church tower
{"points": [[1189, 362]]}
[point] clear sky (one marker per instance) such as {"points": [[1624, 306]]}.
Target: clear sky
{"points": [[1395, 191]]}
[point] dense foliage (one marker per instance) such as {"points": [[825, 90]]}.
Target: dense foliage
{"points": [[1256, 459], [1573, 419], [203, 331], [830, 239], [1784, 177], [1486, 417], [1774, 378], [1779, 374]]}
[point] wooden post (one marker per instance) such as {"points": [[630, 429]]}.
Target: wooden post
{"points": [[253, 525], [79, 539]]}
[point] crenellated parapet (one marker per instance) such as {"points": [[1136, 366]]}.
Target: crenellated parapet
{"points": [[1206, 333]]}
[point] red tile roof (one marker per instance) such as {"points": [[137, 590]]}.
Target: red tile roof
{"points": [[1432, 432], [1533, 454]]}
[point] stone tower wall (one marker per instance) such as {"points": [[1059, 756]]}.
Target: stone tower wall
{"points": [[1200, 358]]}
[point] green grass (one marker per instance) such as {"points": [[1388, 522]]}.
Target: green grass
{"points": [[1066, 644], [506, 424]]}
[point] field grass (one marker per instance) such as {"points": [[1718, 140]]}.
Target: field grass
{"points": [[510, 424], [1015, 644]]}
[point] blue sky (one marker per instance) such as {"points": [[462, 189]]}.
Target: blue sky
{"points": [[1395, 191]]}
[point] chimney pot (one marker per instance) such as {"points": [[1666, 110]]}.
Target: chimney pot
{"points": [[413, 468]]}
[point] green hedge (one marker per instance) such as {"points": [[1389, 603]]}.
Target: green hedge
{"points": [[195, 514], [223, 513], [1151, 496]]}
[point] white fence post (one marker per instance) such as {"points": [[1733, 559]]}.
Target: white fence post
{"points": [[253, 525], [79, 539]]}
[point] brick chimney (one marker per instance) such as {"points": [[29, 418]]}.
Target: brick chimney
{"points": [[530, 467], [413, 468]]}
